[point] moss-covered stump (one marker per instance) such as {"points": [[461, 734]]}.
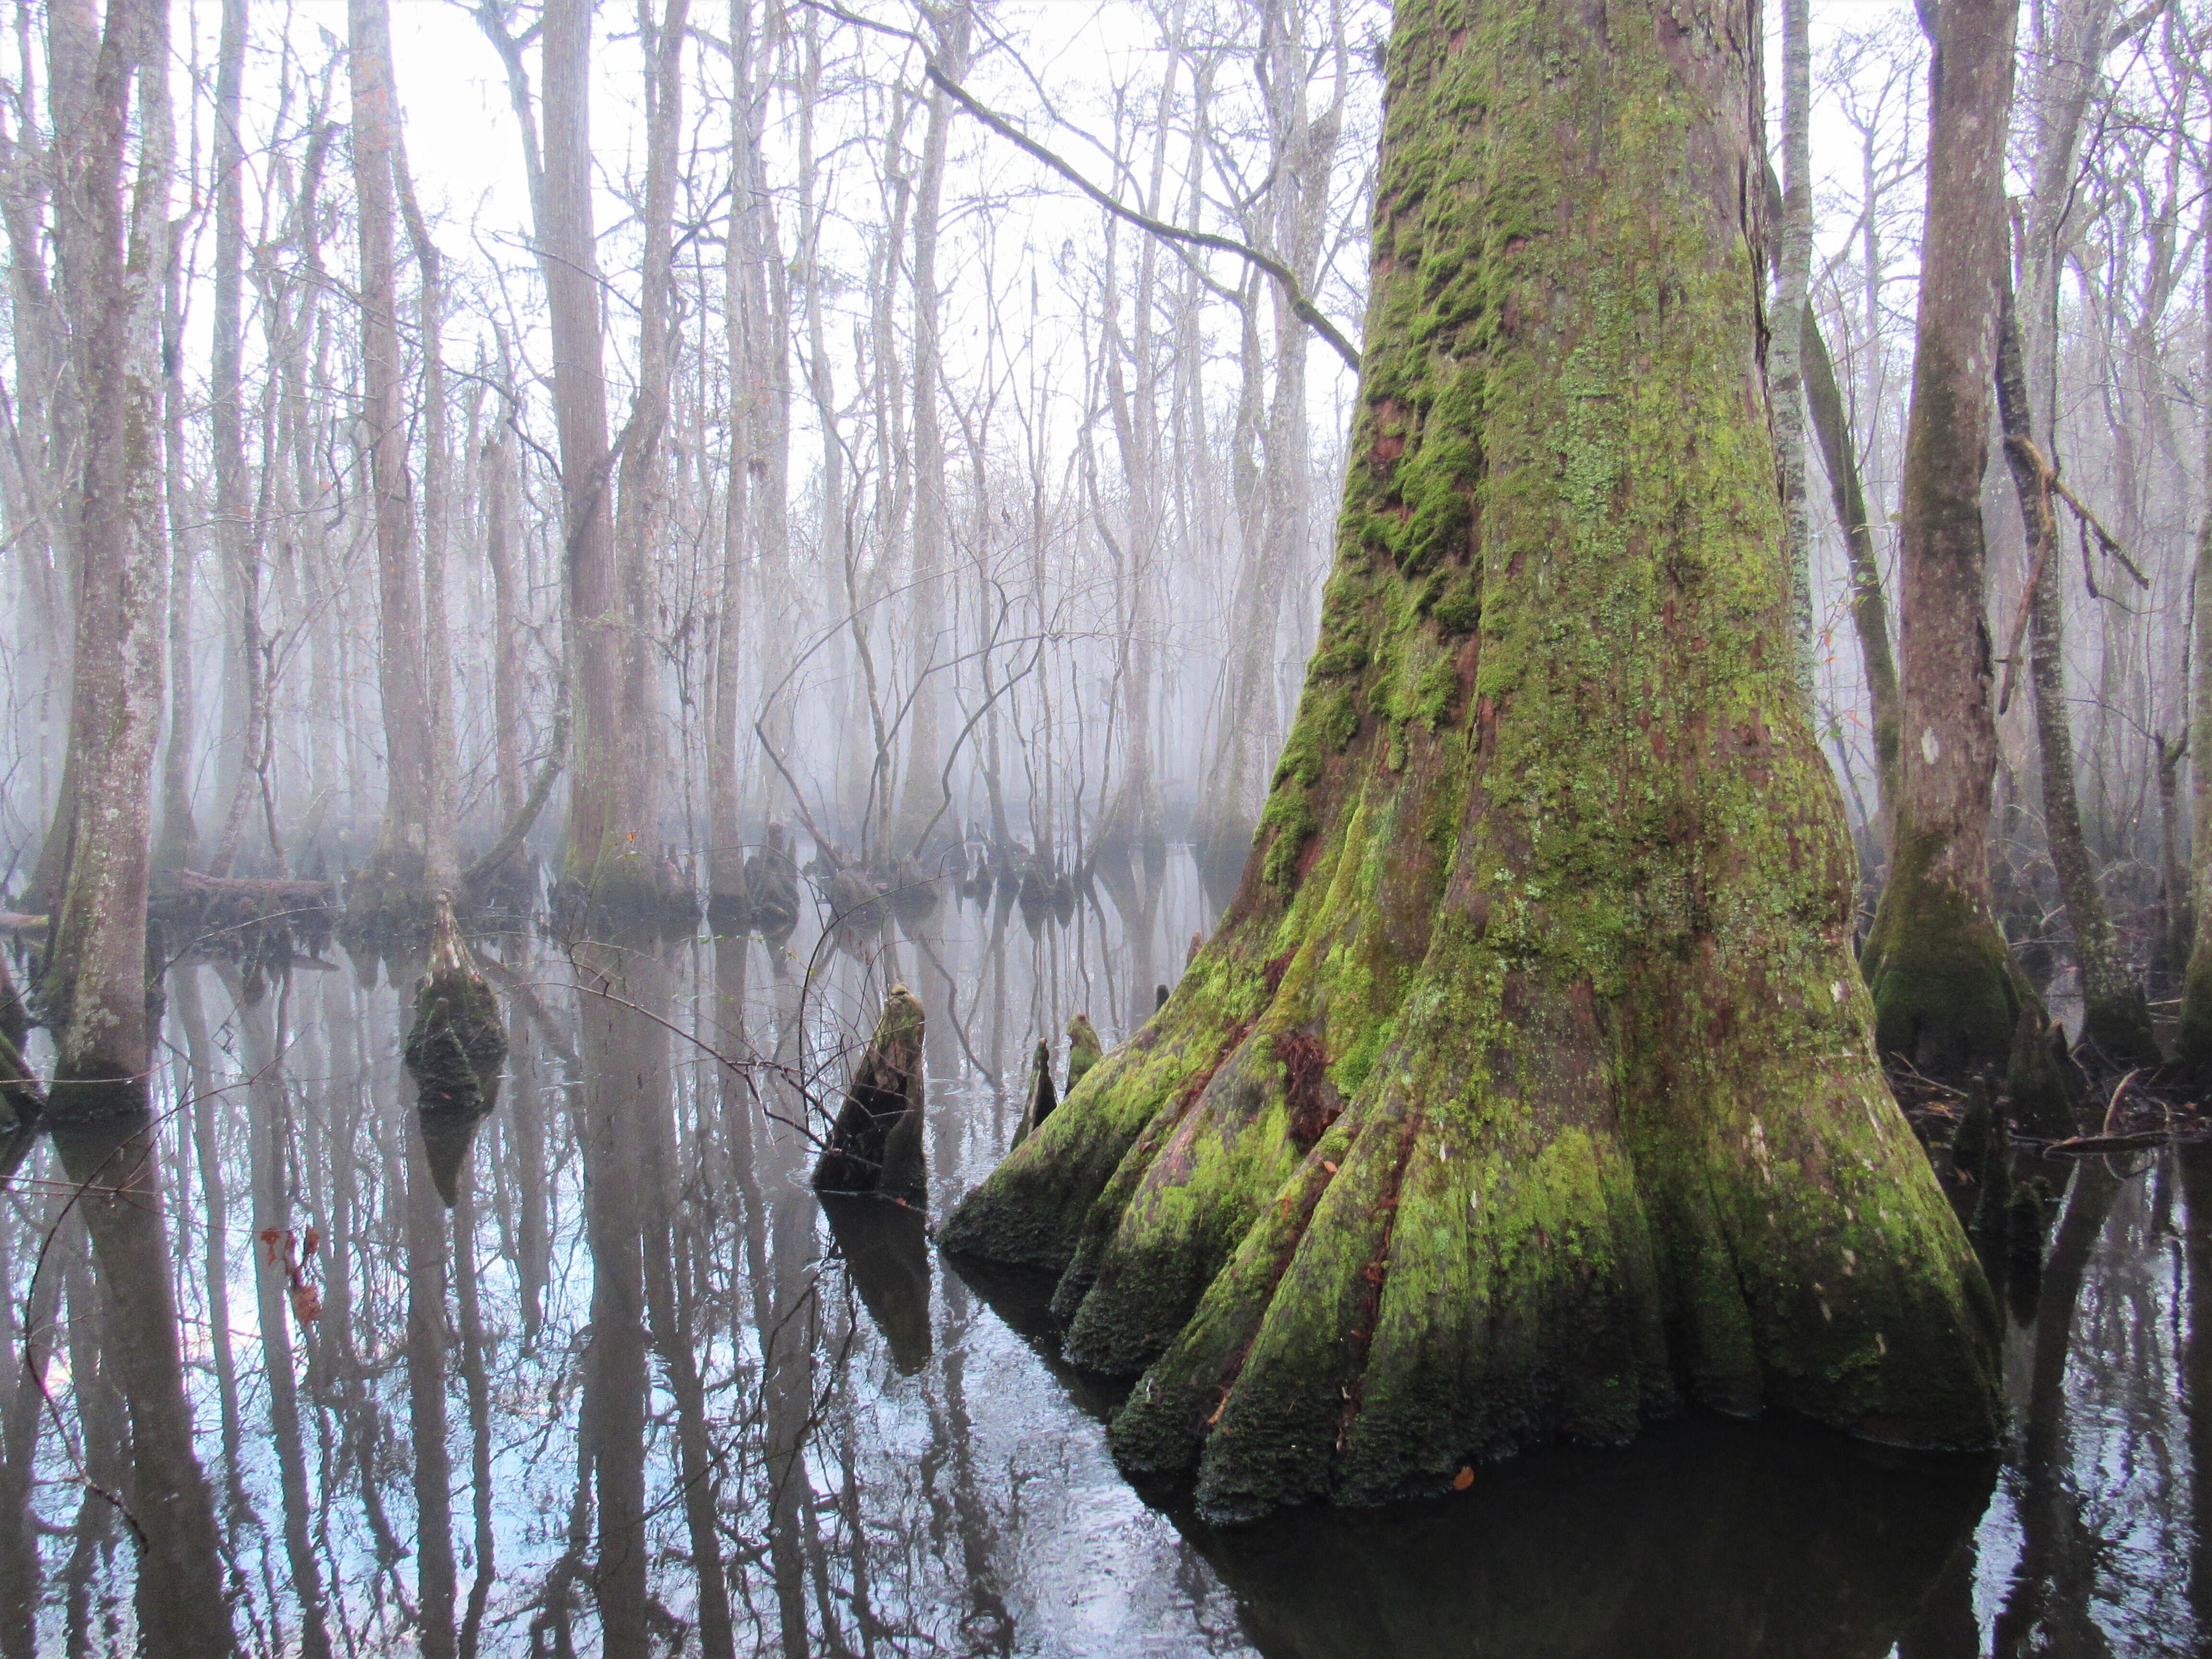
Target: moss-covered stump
{"points": [[621, 885], [2039, 1079], [1084, 1050], [876, 1146], [390, 900], [1041, 1099], [454, 1051], [1526, 1088], [2116, 1027], [772, 885]]}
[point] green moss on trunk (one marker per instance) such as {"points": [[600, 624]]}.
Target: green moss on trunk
{"points": [[1946, 990], [1525, 1088]]}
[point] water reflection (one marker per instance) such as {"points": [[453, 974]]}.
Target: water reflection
{"points": [[136, 1449], [639, 1391]]}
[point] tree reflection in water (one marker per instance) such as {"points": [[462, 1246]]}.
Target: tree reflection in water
{"points": [[637, 1392]]}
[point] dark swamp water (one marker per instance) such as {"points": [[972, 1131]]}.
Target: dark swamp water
{"points": [[811, 1434]]}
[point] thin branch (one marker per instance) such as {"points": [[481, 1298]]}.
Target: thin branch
{"points": [[1304, 308]]}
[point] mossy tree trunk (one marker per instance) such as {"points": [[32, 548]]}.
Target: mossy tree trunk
{"points": [[1526, 1087], [1945, 992]]}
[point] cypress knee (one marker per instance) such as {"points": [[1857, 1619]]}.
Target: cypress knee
{"points": [[1084, 1050], [876, 1144], [454, 1051], [1041, 1100]]}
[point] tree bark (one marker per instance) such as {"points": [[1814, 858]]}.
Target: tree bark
{"points": [[2193, 1041], [1525, 1087], [1947, 995], [1869, 604], [394, 889], [114, 244], [1785, 356], [639, 753], [923, 796], [755, 512], [603, 859], [441, 855], [2116, 1018]]}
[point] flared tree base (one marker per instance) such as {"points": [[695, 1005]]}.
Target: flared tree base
{"points": [[1524, 1091]]}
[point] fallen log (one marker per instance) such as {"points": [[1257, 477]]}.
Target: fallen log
{"points": [[245, 915], [2082, 1145]]}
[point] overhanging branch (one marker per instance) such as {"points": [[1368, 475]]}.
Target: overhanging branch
{"points": [[1302, 307]]}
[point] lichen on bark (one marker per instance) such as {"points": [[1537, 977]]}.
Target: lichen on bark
{"points": [[1525, 1089]]}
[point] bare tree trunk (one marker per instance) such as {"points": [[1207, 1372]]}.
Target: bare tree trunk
{"points": [[441, 859], [499, 515], [234, 523], [2193, 1041], [603, 863], [394, 889], [1785, 350], [114, 254], [755, 521], [1946, 991], [178, 841], [641, 751], [923, 793], [1869, 604], [2116, 1018]]}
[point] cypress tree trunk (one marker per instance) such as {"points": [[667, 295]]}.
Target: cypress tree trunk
{"points": [[923, 796], [2193, 1041], [1945, 992], [113, 240], [1525, 1088], [602, 862], [393, 890], [2116, 1018], [643, 481], [1869, 607]]}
